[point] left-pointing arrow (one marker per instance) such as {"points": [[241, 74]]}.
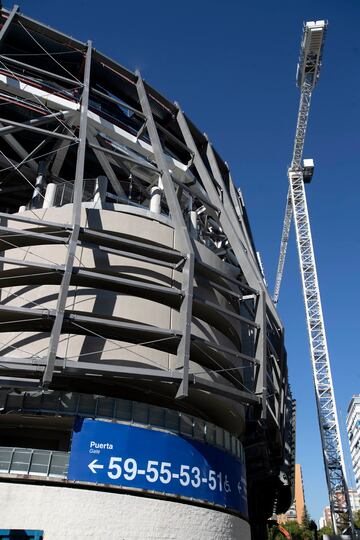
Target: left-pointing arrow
{"points": [[93, 466]]}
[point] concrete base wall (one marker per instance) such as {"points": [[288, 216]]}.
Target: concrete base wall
{"points": [[71, 514]]}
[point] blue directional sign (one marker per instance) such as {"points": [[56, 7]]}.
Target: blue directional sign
{"points": [[133, 457]]}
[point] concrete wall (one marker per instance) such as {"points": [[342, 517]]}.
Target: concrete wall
{"points": [[70, 514], [208, 324], [220, 329]]}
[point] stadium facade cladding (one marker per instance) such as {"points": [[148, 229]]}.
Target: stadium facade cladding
{"points": [[133, 312]]}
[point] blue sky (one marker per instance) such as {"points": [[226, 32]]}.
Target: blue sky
{"points": [[231, 65]]}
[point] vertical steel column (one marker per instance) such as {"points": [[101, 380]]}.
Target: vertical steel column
{"points": [[76, 217], [251, 272], [227, 201], [261, 353], [228, 224], [3, 33], [183, 234], [260, 318]]}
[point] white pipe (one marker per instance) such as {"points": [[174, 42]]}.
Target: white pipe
{"points": [[100, 191], [49, 195], [155, 199], [193, 224]]}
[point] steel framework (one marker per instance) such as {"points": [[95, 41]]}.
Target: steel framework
{"points": [[75, 124], [72, 118], [308, 73]]}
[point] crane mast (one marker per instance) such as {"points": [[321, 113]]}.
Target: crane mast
{"points": [[298, 174]]}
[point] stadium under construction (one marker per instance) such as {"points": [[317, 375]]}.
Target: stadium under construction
{"points": [[143, 377]]}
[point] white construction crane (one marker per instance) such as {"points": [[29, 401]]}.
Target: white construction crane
{"points": [[299, 173]]}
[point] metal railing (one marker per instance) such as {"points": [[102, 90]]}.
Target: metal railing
{"points": [[27, 461], [65, 192]]}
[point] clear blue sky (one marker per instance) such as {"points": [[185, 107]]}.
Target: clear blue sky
{"points": [[231, 65]]}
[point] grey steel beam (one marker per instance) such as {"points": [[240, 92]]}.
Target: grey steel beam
{"points": [[33, 221], [213, 210], [67, 41], [8, 22], [76, 220], [238, 210], [117, 102], [221, 348], [137, 257], [19, 149], [130, 284], [139, 332], [276, 360], [95, 276], [27, 160], [224, 290], [34, 367], [169, 296], [35, 122], [261, 353], [25, 313], [19, 382], [183, 354], [62, 148], [216, 307], [176, 140], [100, 238], [228, 223], [196, 382], [32, 127], [78, 323], [17, 233], [201, 265], [31, 264], [228, 204], [121, 371], [97, 147], [38, 70], [175, 210], [273, 415], [225, 391], [251, 273], [107, 168]]}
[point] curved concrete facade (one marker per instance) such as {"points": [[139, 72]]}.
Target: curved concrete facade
{"points": [[209, 325], [222, 329], [76, 514]]}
